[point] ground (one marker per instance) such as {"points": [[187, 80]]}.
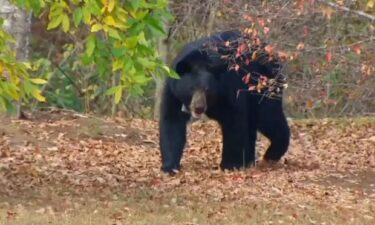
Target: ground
{"points": [[60, 167]]}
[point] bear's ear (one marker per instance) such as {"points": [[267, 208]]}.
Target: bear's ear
{"points": [[201, 60], [191, 61]]}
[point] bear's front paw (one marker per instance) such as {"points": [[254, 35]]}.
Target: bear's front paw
{"points": [[170, 170]]}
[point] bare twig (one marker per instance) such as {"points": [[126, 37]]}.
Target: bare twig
{"points": [[343, 8]]}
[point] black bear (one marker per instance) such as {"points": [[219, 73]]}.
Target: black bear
{"points": [[208, 86]]}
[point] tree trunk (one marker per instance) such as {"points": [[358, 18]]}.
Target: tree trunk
{"points": [[163, 48], [211, 18], [18, 24], [114, 107]]}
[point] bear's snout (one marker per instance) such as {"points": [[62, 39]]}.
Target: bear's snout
{"points": [[198, 105], [199, 110]]}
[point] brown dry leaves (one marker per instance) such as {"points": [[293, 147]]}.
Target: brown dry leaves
{"points": [[331, 163]]}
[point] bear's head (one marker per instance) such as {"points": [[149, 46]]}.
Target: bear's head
{"points": [[198, 87]]}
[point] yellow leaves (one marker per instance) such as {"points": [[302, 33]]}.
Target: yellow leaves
{"points": [[117, 91], [139, 14], [370, 4], [113, 24], [114, 33], [106, 26], [109, 5], [58, 15], [12, 90], [109, 21], [17, 83], [117, 65], [131, 42], [96, 27], [55, 22], [76, 2], [65, 23], [38, 81], [31, 89], [38, 96], [122, 15], [118, 94]]}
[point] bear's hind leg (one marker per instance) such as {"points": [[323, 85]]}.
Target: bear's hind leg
{"points": [[238, 148], [272, 123]]}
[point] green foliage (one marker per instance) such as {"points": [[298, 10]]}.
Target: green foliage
{"points": [[15, 82], [122, 37], [120, 40]]}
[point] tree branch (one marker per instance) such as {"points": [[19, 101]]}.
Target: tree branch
{"points": [[343, 8]]}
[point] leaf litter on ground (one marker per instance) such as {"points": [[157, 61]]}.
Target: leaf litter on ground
{"points": [[330, 163]]}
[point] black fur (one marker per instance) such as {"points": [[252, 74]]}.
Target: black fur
{"points": [[240, 114]]}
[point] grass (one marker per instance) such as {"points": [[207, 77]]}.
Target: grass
{"points": [[156, 208]]}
